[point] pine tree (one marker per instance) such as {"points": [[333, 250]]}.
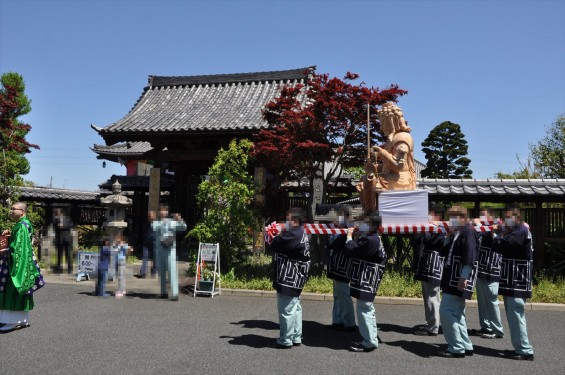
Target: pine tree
{"points": [[445, 150], [13, 164]]}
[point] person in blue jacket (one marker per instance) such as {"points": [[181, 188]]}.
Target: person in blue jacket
{"points": [[514, 242], [103, 266], [458, 282], [343, 312], [368, 260], [487, 284], [428, 269], [291, 263], [165, 233]]}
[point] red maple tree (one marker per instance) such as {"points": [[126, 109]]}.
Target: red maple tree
{"points": [[317, 129]]}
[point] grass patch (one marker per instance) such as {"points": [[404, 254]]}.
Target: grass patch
{"points": [[395, 284], [549, 290], [255, 274]]}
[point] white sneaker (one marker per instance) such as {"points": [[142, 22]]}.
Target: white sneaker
{"points": [[491, 335]]}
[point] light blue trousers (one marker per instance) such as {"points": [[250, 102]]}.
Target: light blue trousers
{"points": [[167, 263], [367, 321], [516, 315], [290, 320], [431, 295], [452, 316], [343, 311], [489, 311], [121, 273]]}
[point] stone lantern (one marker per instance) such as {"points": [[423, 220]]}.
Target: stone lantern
{"points": [[116, 204]]}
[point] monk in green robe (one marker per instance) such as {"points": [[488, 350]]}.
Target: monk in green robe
{"points": [[18, 273]]}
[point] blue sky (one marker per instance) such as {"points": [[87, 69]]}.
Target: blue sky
{"points": [[496, 67]]}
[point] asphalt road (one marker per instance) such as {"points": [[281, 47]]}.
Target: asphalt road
{"points": [[73, 332]]}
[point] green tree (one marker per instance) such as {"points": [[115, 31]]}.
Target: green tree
{"points": [[445, 150], [547, 156], [549, 153], [13, 164], [526, 171], [225, 199]]}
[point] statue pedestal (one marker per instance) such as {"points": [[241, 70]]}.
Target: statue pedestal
{"points": [[403, 207]]}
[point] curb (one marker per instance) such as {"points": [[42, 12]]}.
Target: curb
{"points": [[537, 306]]}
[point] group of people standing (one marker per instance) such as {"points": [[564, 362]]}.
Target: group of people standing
{"points": [[20, 275], [450, 266], [495, 262], [356, 265], [159, 245]]}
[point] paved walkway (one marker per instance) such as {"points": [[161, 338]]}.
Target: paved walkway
{"points": [[73, 332]]}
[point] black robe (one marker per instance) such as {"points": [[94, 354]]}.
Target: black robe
{"points": [[368, 260], [460, 250], [517, 262], [291, 261], [339, 262], [428, 261], [489, 260]]}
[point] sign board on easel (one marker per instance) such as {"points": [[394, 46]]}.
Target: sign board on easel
{"points": [[208, 270], [87, 264]]}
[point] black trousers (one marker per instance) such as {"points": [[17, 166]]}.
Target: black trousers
{"points": [[66, 250]]}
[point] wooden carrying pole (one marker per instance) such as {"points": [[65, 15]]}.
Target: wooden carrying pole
{"points": [[368, 133]]}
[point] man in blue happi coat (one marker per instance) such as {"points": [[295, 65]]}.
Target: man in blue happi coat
{"points": [[428, 269], [291, 263], [343, 312], [368, 260], [514, 242], [487, 284], [458, 281]]}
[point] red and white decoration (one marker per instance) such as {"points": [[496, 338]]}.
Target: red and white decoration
{"points": [[275, 228]]}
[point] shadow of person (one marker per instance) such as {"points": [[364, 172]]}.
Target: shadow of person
{"points": [[419, 348], [129, 295], [489, 352], [385, 327], [262, 324], [316, 334], [143, 295], [253, 341]]}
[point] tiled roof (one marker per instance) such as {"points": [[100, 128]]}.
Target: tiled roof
{"points": [[42, 193], [507, 188], [224, 102], [494, 187], [123, 149], [135, 182]]}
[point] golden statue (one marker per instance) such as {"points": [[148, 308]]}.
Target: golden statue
{"points": [[397, 170]]}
